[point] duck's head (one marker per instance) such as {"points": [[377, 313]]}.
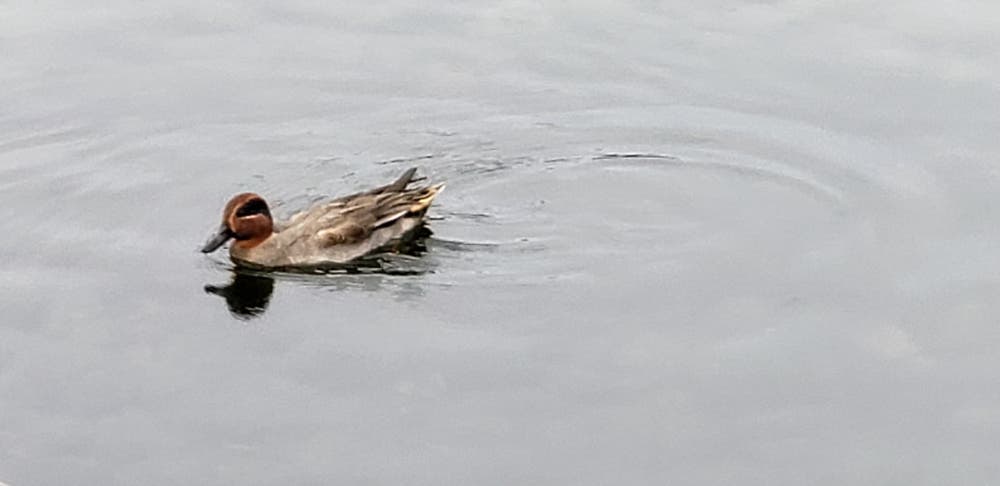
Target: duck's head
{"points": [[245, 219]]}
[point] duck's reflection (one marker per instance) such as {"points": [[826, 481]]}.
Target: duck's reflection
{"points": [[249, 290], [247, 295]]}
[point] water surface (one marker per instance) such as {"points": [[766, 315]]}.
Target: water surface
{"points": [[724, 243]]}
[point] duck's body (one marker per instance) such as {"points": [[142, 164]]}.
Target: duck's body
{"points": [[335, 232]]}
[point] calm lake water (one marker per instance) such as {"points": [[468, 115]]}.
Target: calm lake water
{"points": [[686, 243]]}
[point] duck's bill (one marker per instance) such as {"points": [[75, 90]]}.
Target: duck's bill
{"points": [[219, 239]]}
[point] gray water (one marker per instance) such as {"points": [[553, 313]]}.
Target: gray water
{"points": [[687, 243]]}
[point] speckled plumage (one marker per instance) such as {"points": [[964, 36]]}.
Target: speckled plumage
{"points": [[330, 233]]}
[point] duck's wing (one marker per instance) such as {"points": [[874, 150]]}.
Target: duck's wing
{"points": [[378, 216], [400, 184]]}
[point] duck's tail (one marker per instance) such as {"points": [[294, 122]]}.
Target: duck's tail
{"points": [[426, 197], [410, 205]]}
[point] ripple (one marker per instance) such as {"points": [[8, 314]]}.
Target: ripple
{"points": [[784, 176]]}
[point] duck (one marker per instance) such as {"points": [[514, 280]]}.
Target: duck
{"points": [[331, 233]]}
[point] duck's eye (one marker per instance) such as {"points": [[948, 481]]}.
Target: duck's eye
{"points": [[252, 207]]}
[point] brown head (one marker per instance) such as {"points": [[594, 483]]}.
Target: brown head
{"points": [[245, 219]]}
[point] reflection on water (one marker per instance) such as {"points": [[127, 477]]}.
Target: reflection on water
{"points": [[249, 290], [247, 295]]}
